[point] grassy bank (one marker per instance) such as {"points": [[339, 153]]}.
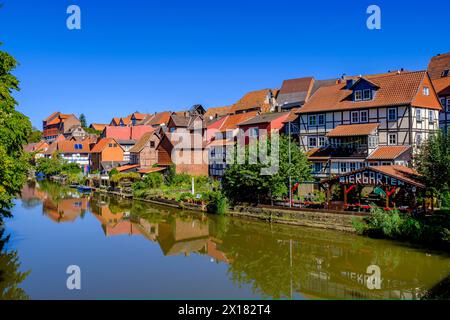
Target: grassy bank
{"points": [[431, 231]]}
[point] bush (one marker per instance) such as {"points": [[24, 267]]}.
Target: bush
{"points": [[216, 202], [185, 196]]}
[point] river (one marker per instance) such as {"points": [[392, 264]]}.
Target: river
{"points": [[134, 250]]}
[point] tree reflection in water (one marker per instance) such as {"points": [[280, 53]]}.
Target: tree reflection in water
{"points": [[10, 276]]}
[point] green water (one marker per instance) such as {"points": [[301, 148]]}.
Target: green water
{"points": [[130, 249]]}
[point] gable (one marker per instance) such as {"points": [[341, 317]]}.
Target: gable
{"points": [[430, 101]]}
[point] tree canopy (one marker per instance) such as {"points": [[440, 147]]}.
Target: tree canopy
{"points": [[433, 163], [245, 183], [15, 128], [83, 120]]}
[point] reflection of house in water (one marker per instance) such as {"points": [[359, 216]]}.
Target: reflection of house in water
{"points": [[65, 210], [183, 237], [30, 192], [114, 224]]}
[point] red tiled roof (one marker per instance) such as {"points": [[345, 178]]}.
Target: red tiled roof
{"points": [[231, 122], [217, 111], [388, 152], [251, 100], [98, 126], [68, 146], [442, 86], [150, 170], [264, 118], [396, 89], [102, 144], [353, 130], [127, 167], [438, 64], [399, 172]]}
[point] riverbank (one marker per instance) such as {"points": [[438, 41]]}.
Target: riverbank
{"points": [[307, 218]]}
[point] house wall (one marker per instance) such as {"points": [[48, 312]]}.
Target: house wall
{"points": [[444, 115]]}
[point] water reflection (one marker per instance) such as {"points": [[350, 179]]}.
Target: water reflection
{"points": [[10, 276], [275, 261]]}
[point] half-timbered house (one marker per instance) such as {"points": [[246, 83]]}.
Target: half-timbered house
{"points": [[352, 124]]}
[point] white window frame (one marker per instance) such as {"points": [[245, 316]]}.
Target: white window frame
{"points": [[366, 112], [342, 167], [419, 115], [309, 142], [389, 139], [253, 132], [357, 116], [310, 117], [389, 114], [426, 91], [321, 141], [352, 166], [364, 94], [358, 93], [431, 119]]}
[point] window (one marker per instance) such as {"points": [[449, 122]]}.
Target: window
{"points": [[363, 116], [172, 129], [358, 95], [355, 116], [445, 73], [321, 119], [352, 166], [431, 116], [386, 163], [312, 142], [419, 115], [152, 144], [343, 167], [115, 145], [418, 139], [373, 142], [426, 91], [254, 132], [110, 145], [317, 167], [392, 139], [321, 141], [312, 120], [448, 104], [392, 114], [367, 94]]}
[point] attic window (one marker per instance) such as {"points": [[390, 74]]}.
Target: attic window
{"points": [[358, 95], [426, 91], [367, 94], [445, 73]]}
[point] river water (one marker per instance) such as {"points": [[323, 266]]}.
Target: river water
{"points": [[135, 250]]}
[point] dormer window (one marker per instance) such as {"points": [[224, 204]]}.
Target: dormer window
{"points": [[426, 91], [445, 73], [367, 94], [358, 95]]}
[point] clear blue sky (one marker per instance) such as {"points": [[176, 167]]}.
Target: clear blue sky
{"points": [[167, 55]]}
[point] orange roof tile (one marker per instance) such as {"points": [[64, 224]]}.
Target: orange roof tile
{"points": [[102, 144], [217, 111], [442, 86], [396, 89], [231, 122], [98, 126], [388, 152], [127, 167], [150, 170], [251, 100], [353, 130], [68, 146]]}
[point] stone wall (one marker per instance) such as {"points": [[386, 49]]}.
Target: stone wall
{"points": [[335, 221]]}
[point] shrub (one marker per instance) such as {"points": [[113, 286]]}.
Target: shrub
{"points": [[185, 196], [216, 202]]}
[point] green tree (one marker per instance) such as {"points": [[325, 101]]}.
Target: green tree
{"points": [[15, 128], [433, 163], [83, 120], [49, 166], [35, 136], [245, 183]]}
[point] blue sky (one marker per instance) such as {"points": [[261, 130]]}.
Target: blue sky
{"points": [[168, 55]]}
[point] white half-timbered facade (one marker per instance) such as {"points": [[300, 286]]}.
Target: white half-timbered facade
{"points": [[373, 120]]}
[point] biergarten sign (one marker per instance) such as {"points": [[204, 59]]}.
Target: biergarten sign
{"points": [[371, 178]]}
